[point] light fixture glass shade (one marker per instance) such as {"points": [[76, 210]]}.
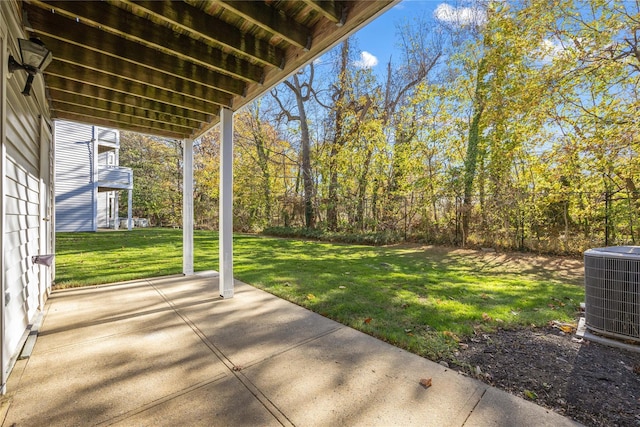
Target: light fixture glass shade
{"points": [[34, 54]]}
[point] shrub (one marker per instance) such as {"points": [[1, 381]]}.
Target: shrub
{"points": [[372, 239]]}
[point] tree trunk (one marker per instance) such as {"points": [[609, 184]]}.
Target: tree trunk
{"points": [[471, 158], [307, 179], [338, 138], [305, 141]]}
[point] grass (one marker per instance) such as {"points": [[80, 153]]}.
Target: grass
{"points": [[420, 299]]}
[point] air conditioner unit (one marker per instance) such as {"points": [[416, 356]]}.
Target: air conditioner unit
{"points": [[612, 291]]}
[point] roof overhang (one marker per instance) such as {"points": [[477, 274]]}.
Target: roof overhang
{"points": [[166, 67]]}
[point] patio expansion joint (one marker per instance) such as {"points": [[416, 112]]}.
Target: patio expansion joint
{"points": [[484, 391], [252, 388], [160, 401], [293, 347]]}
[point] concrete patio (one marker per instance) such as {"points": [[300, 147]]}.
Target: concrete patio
{"points": [[167, 351]]}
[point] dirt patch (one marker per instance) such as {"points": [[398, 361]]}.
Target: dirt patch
{"points": [[594, 384], [566, 268]]}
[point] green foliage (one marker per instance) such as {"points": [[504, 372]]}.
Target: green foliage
{"points": [[374, 239], [518, 130], [157, 177]]}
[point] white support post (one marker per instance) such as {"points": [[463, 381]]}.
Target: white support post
{"points": [[130, 209], [226, 203], [116, 210], [95, 179], [187, 207]]}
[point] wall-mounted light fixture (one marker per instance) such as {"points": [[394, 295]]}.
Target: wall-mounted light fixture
{"points": [[35, 58]]}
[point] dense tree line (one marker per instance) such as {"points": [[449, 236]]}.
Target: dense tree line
{"points": [[512, 125]]}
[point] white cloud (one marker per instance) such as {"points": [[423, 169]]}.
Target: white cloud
{"points": [[366, 60], [459, 16]]}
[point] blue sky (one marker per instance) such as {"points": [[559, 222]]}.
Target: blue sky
{"points": [[378, 38], [377, 42]]}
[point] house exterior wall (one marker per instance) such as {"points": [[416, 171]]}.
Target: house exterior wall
{"points": [[84, 154], [26, 138], [76, 195]]}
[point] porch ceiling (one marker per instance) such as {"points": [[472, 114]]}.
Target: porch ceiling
{"points": [[167, 67]]}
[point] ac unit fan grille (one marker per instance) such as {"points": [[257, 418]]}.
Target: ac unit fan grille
{"points": [[612, 292]]}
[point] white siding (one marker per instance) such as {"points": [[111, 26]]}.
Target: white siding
{"points": [[75, 185], [21, 135], [22, 200]]}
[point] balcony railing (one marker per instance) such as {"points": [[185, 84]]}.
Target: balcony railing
{"points": [[107, 139], [115, 178]]}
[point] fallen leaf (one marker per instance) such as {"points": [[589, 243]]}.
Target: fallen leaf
{"points": [[560, 303], [451, 335], [567, 328], [531, 395], [486, 317], [425, 382], [311, 297], [342, 287], [367, 320], [408, 330]]}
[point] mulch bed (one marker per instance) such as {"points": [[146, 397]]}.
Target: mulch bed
{"points": [[594, 384]]}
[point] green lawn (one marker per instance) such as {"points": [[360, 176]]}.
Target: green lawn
{"points": [[421, 299]]}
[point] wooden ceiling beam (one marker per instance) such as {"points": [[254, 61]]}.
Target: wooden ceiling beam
{"points": [[270, 19], [62, 28], [186, 80], [334, 11], [122, 109], [97, 121], [123, 69], [55, 83], [119, 118], [198, 24], [97, 78]]}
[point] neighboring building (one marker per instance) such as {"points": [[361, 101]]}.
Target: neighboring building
{"points": [[88, 177]]}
